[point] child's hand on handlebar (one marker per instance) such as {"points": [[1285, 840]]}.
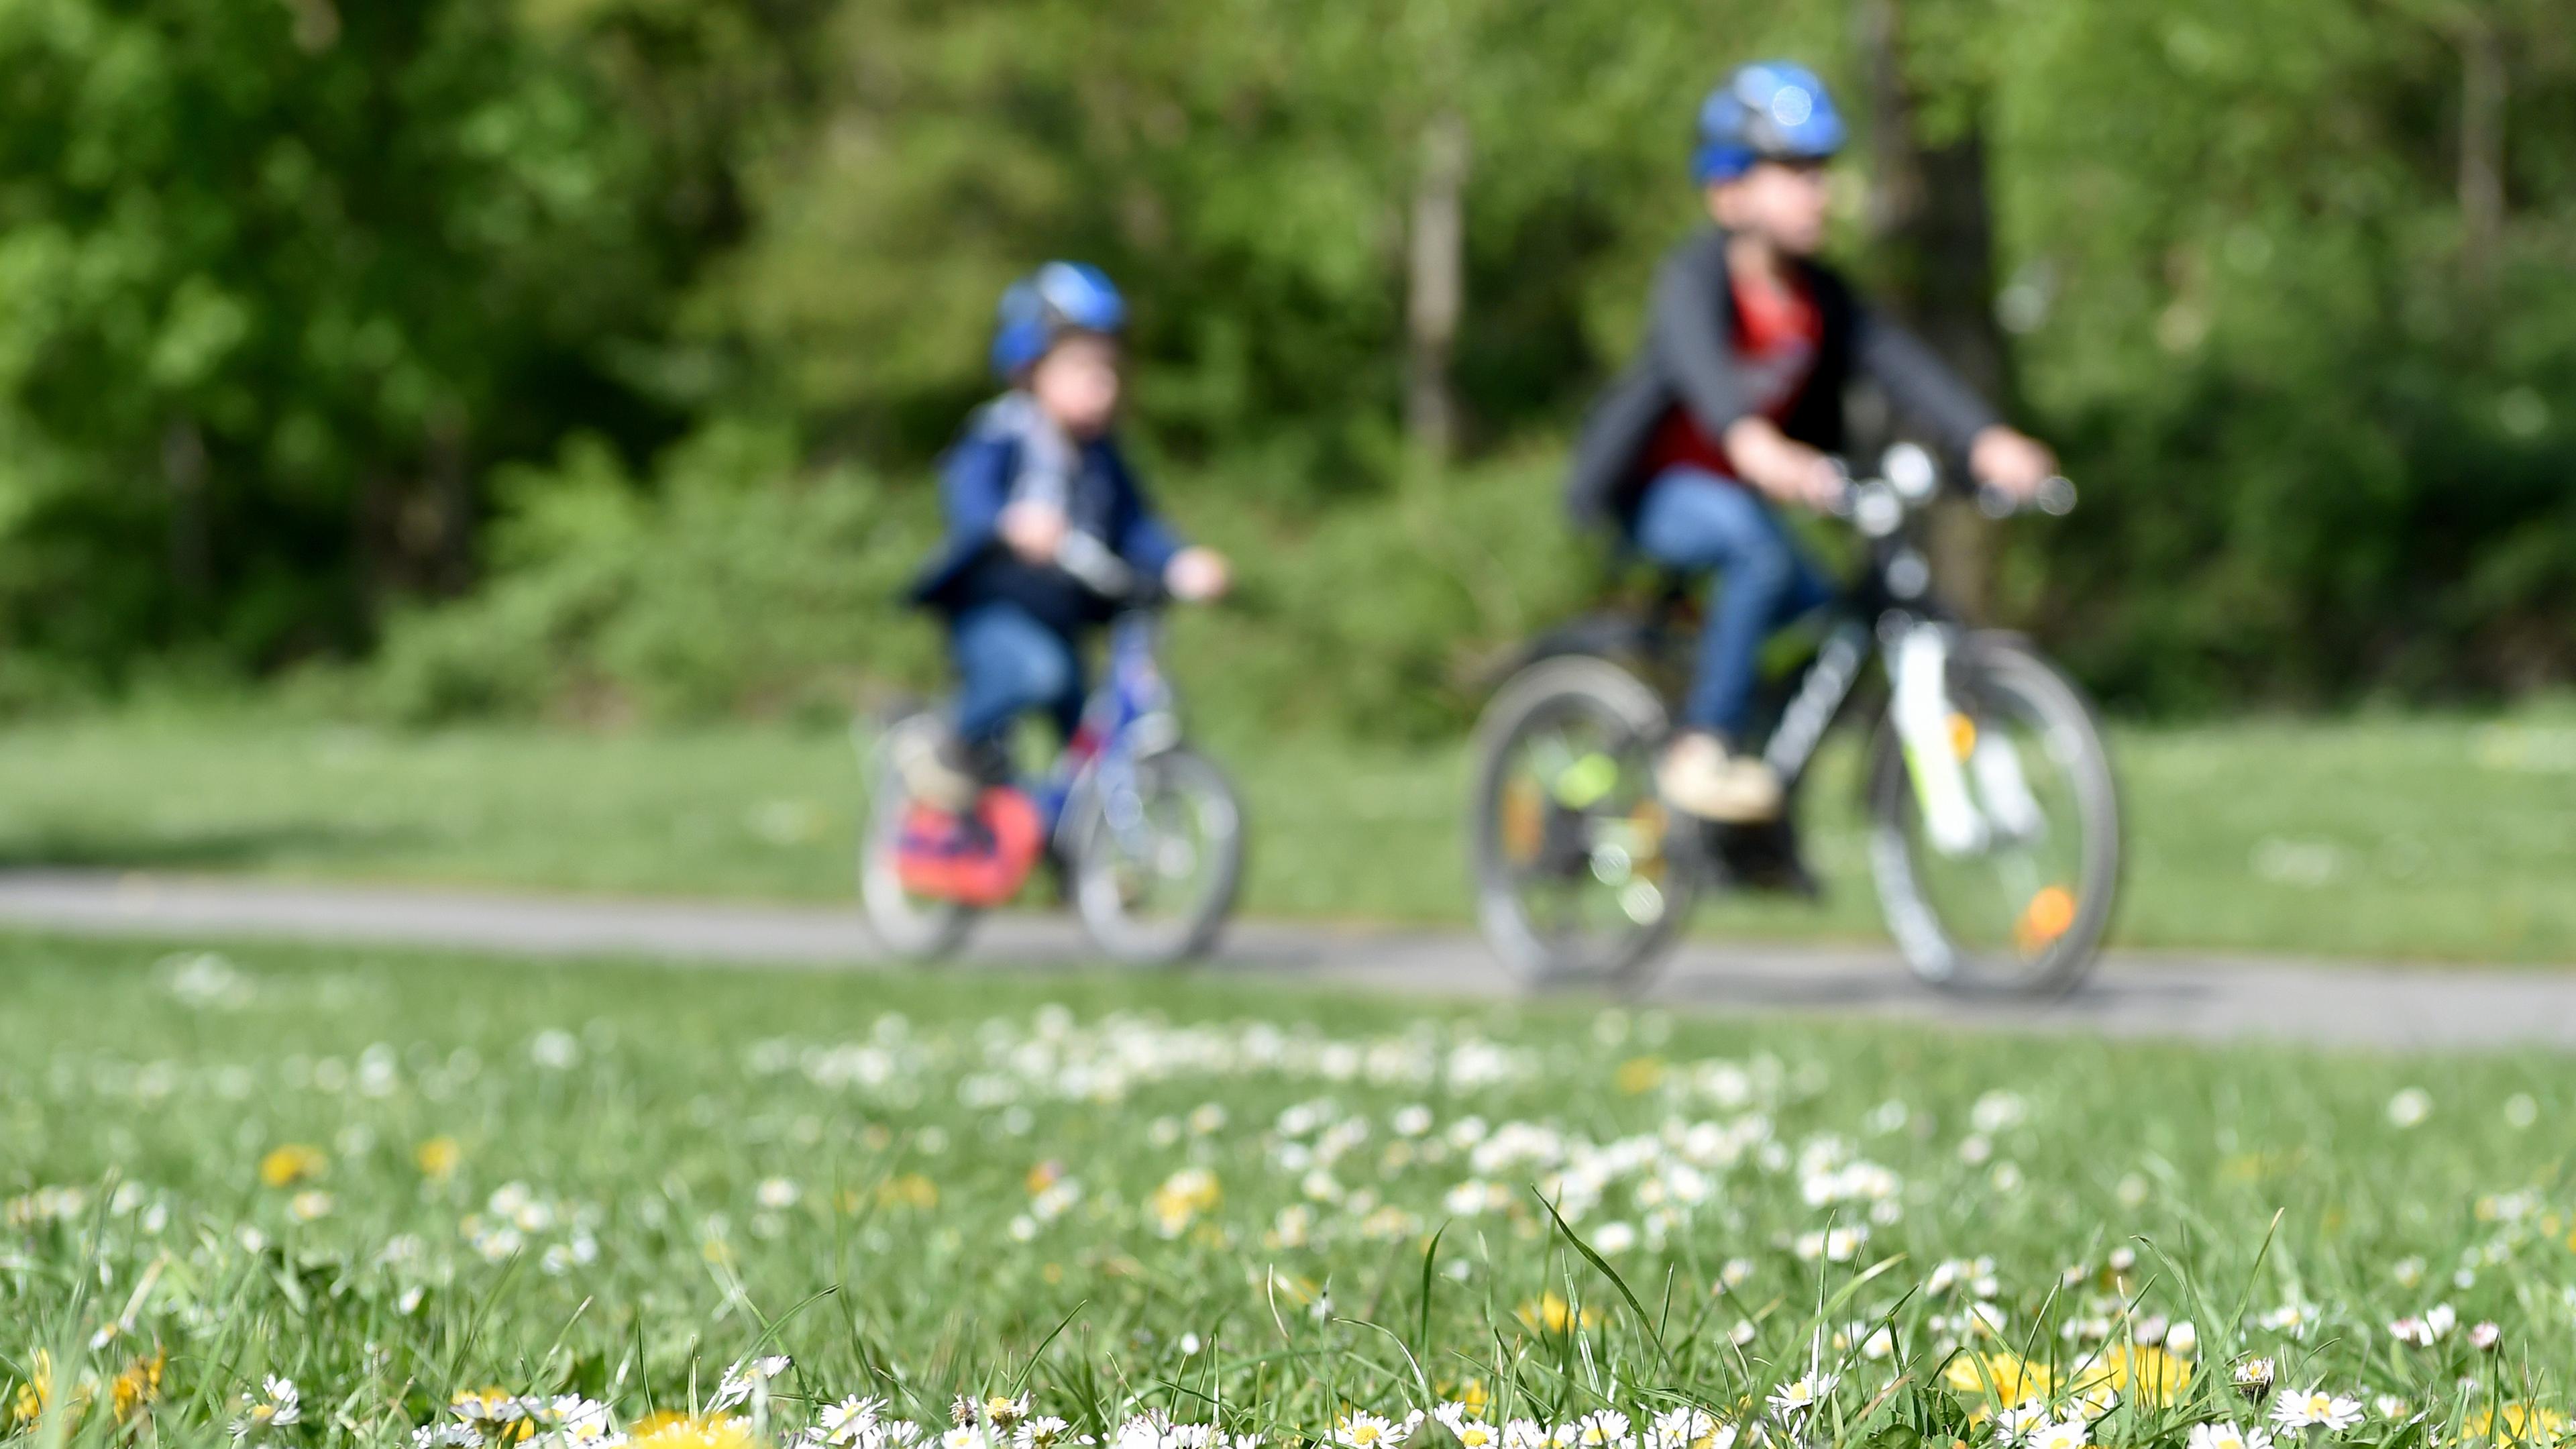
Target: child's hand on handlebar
{"points": [[2010, 462], [1196, 575], [1034, 531], [1781, 466]]}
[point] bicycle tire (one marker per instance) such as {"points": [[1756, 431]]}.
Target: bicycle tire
{"points": [[1611, 694], [1985, 665], [1098, 897]]}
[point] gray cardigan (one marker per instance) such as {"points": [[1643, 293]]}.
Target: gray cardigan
{"points": [[1689, 360]]}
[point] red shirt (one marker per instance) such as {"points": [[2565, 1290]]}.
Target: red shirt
{"points": [[1776, 335]]}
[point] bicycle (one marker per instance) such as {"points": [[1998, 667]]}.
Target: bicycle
{"points": [[1994, 830], [1146, 833]]}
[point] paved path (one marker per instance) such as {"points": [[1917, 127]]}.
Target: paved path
{"points": [[2169, 995]]}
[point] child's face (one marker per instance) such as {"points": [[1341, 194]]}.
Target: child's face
{"points": [[1785, 204], [1076, 384]]}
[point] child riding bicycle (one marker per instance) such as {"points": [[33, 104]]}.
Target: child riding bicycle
{"points": [[1037, 481], [1735, 398]]}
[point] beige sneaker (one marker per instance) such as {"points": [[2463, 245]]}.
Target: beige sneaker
{"points": [[1698, 776], [931, 765]]}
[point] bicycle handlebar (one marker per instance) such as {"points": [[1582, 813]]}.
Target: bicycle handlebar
{"points": [[1878, 505], [2054, 497], [1097, 567]]}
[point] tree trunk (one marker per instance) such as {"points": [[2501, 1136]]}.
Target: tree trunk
{"points": [[1931, 222], [2483, 82], [449, 532], [191, 532], [415, 533], [1436, 286]]}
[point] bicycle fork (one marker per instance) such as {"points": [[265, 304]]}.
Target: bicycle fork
{"points": [[1944, 748]]}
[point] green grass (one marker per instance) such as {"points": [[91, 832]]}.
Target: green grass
{"points": [[2422, 837], [392, 1178]]}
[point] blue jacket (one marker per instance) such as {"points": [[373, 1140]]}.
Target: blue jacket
{"points": [[1010, 451]]}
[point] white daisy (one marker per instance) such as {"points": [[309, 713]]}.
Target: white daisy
{"points": [[2016, 1424], [1688, 1428], [740, 1380], [2316, 1407], [578, 1421], [1364, 1430], [1463, 1425], [1043, 1432], [2229, 1436], [278, 1406], [1792, 1399], [2254, 1378], [2068, 1433]]}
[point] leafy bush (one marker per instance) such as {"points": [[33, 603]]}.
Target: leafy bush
{"points": [[734, 581]]}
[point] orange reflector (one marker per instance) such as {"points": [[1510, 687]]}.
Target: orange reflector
{"points": [[2048, 916], [1524, 821], [1650, 823], [1963, 735]]}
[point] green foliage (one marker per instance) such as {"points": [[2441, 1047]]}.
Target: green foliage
{"points": [[2329, 444], [733, 581], [290, 288], [1405, 602], [278, 276]]}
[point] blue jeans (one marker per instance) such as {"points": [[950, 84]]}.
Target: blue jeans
{"points": [[1693, 519], [1009, 663]]}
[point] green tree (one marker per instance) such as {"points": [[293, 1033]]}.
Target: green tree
{"points": [[280, 281]]}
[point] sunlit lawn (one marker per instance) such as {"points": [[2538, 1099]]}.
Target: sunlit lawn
{"points": [[381, 1180], [2432, 837]]}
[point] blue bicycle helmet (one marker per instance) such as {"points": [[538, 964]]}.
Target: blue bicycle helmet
{"points": [[1057, 298], [1771, 110]]}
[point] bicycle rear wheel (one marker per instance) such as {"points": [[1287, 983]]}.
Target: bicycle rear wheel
{"points": [[1156, 858], [914, 927], [1581, 874], [2023, 911]]}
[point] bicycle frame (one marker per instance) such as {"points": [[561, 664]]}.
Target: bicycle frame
{"points": [[1129, 716]]}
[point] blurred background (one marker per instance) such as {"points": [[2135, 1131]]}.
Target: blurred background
{"points": [[581, 362]]}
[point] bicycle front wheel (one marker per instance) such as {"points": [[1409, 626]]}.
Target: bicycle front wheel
{"points": [[2023, 909], [1581, 874], [1156, 858]]}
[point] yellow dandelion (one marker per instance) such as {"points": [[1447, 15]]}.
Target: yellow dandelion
{"points": [[439, 1157], [2519, 1423], [1182, 1197], [2157, 1378], [1549, 1313], [37, 1393], [292, 1163], [138, 1385], [1640, 1075], [2005, 1377], [910, 1190]]}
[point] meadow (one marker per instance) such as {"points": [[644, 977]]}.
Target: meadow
{"points": [[2427, 837], [303, 1197]]}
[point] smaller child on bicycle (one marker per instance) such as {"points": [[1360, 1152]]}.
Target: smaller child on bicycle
{"points": [[1037, 480], [1734, 401]]}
